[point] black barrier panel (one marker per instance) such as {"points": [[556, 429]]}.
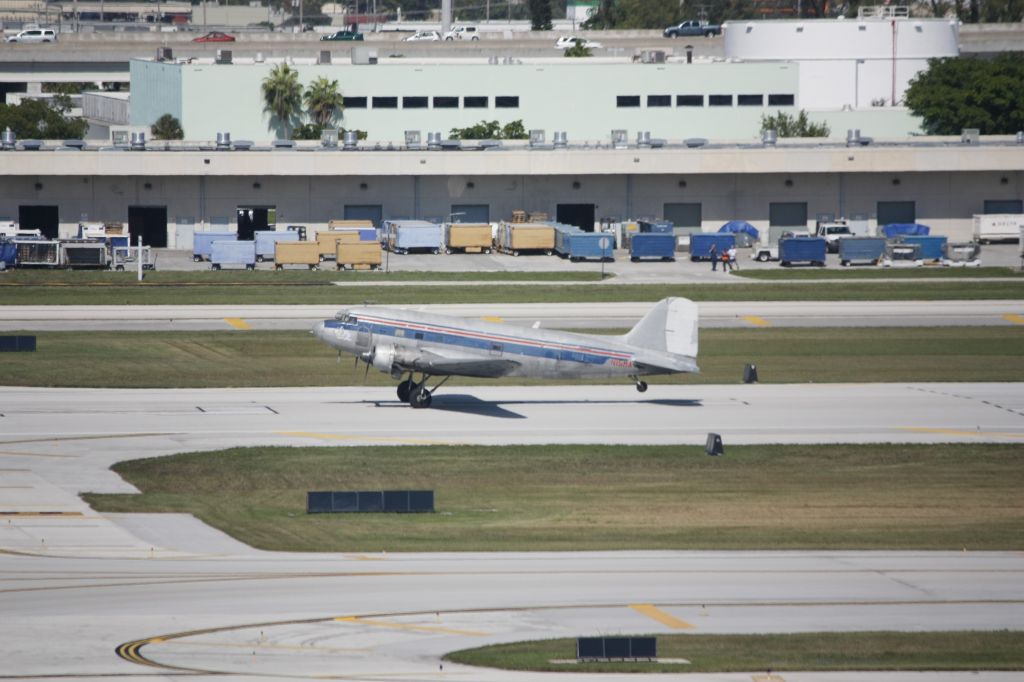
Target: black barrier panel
{"points": [[318, 503], [421, 500], [371, 501], [16, 344], [590, 647], [643, 647], [616, 647], [396, 500], [345, 502]]}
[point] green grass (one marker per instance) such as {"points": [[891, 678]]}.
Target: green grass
{"points": [[587, 497], [855, 273], [818, 651], [295, 358]]}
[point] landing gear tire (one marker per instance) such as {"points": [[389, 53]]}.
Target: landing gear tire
{"points": [[641, 386], [420, 399], [405, 389]]}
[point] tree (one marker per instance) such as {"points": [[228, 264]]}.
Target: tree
{"points": [[970, 92], [282, 96], [491, 130], [785, 125], [167, 127], [578, 50], [540, 15], [38, 119], [323, 101]]}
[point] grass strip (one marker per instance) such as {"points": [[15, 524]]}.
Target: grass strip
{"points": [[294, 358], [812, 651], [273, 294], [868, 273], [587, 497]]}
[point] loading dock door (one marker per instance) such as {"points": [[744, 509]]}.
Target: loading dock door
{"points": [[580, 215], [471, 213], [42, 218], [371, 212], [150, 222], [253, 218]]}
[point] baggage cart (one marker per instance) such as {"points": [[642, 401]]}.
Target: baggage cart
{"points": [[84, 254], [964, 254], [700, 244], [297, 253], [44, 253], [577, 245], [202, 243], [652, 246], [467, 237], [802, 250], [233, 252], [517, 238], [358, 255], [901, 254], [932, 248], [998, 227], [126, 258], [403, 236], [861, 250], [267, 239]]}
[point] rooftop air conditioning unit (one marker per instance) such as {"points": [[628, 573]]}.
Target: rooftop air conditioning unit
{"points": [[329, 137], [694, 142], [769, 137], [8, 139], [223, 140], [852, 137], [433, 140], [561, 139], [119, 138], [350, 140], [643, 138], [138, 140], [223, 57], [412, 139], [970, 136], [164, 54], [620, 139], [536, 137]]}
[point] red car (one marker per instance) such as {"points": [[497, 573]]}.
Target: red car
{"points": [[214, 37]]}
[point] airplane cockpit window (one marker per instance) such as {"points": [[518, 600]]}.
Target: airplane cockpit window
{"points": [[345, 318]]}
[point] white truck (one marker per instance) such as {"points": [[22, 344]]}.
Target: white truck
{"points": [[462, 33], [998, 227], [832, 233]]}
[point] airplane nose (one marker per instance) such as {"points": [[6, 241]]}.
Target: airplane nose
{"points": [[318, 330]]}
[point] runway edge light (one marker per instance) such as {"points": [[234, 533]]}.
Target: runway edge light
{"points": [[714, 445]]}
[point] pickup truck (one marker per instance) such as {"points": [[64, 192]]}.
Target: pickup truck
{"points": [[832, 233], [693, 28]]}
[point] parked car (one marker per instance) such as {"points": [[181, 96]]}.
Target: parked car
{"points": [[462, 33], [693, 28], [34, 35], [423, 37], [215, 37], [343, 35], [565, 42]]}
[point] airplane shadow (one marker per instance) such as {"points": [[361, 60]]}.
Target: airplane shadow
{"points": [[470, 404]]}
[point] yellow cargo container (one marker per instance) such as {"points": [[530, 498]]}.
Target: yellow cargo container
{"points": [[328, 241], [341, 224], [468, 237], [358, 255], [514, 238], [297, 253]]}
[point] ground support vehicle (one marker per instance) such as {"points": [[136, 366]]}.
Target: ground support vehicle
{"points": [[832, 233], [965, 254], [127, 258], [652, 246], [358, 255], [861, 250], [403, 236], [933, 248], [202, 243], [810, 250], [233, 252], [467, 237], [900, 254], [998, 227], [521, 238], [297, 253], [764, 252], [700, 245], [693, 27], [267, 239], [573, 243], [34, 252], [84, 254]]}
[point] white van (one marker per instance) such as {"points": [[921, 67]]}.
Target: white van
{"points": [[462, 33], [34, 35]]}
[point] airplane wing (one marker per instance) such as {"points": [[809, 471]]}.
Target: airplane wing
{"points": [[461, 365]]}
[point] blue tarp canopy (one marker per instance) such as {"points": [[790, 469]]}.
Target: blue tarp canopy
{"points": [[893, 229], [740, 226]]}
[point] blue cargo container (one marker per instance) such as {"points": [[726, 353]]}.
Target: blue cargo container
{"points": [[577, 245], [115, 242], [861, 249], [932, 248], [233, 252], [802, 250], [266, 239], [655, 226], [700, 243], [652, 246], [8, 254], [202, 241], [403, 236]]}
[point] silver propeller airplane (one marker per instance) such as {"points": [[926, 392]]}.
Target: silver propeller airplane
{"points": [[403, 343]]}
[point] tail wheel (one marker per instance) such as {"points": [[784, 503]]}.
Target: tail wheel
{"points": [[641, 386]]}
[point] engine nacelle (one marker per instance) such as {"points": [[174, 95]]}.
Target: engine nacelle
{"points": [[383, 358]]}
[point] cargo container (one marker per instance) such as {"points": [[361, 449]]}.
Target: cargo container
{"points": [[700, 244], [894, 230], [297, 253], [327, 242], [266, 240], [358, 255], [8, 254], [38, 252], [965, 254], [932, 248], [802, 250], [350, 224], [403, 236], [577, 245], [652, 246], [517, 238], [467, 237], [998, 227], [861, 250], [655, 226], [81, 255], [126, 257], [202, 241], [233, 252], [900, 254]]}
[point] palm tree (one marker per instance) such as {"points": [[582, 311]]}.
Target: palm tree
{"points": [[323, 101], [282, 95], [167, 127]]}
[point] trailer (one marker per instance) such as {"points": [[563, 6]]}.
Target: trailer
{"points": [[861, 249], [84, 254], [127, 258], [202, 243], [932, 248], [810, 250], [233, 252], [267, 239], [517, 238], [468, 237], [404, 236], [901, 254], [700, 244], [44, 253], [358, 255], [297, 253], [652, 246], [577, 245], [998, 227], [964, 254]]}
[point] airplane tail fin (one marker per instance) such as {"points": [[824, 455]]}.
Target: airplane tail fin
{"points": [[670, 326]]}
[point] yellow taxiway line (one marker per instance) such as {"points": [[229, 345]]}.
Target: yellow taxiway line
{"points": [[1016, 319], [961, 432], [375, 439], [237, 323], [757, 321], [408, 626], [654, 613]]}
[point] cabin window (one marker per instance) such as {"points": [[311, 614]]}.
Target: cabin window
{"points": [[418, 336], [399, 332]]}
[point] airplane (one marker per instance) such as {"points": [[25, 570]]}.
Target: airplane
{"points": [[405, 342]]}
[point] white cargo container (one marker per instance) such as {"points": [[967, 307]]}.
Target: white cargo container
{"points": [[997, 227]]}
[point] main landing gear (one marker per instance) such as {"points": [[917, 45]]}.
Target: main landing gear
{"points": [[416, 393], [641, 385]]}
